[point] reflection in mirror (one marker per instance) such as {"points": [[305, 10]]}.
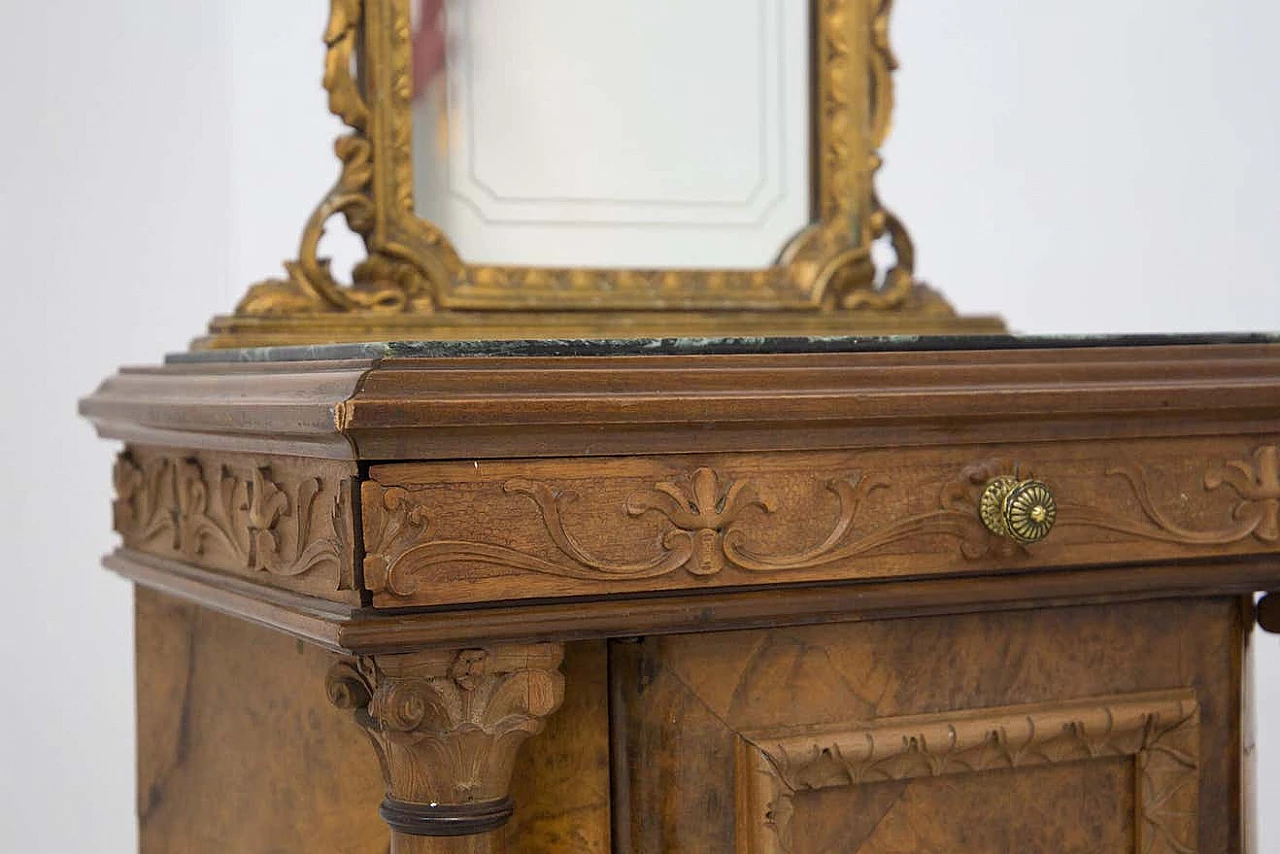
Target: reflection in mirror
{"points": [[617, 133]]}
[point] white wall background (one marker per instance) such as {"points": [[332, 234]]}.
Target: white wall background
{"points": [[1083, 166]]}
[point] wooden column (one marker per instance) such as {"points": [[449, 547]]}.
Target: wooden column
{"points": [[447, 725]]}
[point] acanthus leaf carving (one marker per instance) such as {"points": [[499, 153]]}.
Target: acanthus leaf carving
{"points": [[223, 515], [447, 724], [393, 524], [143, 507]]}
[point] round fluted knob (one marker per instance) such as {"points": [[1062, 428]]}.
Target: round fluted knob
{"points": [[1021, 510]]}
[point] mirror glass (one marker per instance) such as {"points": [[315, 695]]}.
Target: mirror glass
{"points": [[614, 133]]}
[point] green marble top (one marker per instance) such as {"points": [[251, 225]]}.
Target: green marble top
{"points": [[704, 346]]}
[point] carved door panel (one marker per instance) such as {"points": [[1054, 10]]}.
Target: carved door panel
{"points": [[1087, 729]]}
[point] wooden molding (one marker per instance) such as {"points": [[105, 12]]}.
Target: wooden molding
{"points": [[1159, 730], [278, 408], [382, 408], [365, 631], [446, 725]]}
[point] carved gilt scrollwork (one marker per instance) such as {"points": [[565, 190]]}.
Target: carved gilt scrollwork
{"points": [[232, 516], [877, 222], [411, 267], [385, 281]]}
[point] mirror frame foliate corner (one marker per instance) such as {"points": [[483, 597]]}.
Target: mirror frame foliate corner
{"points": [[414, 281]]}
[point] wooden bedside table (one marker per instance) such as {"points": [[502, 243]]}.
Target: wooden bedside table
{"points": [[899, 594]]}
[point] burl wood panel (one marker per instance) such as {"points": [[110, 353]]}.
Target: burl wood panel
{"points": [[1058, 809], [1155, 689], [240, 750], [561, 780], [494, 530]]}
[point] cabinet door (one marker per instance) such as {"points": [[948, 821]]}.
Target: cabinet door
{"points": [[1085, 729]]}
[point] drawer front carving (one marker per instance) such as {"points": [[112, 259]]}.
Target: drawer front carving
{"points": [[279, 521], [440, 533]]}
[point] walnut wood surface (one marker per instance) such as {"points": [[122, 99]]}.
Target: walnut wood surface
{"points": [[240, 750], [694, 709], [267, 408], [810, 567], [447, 533]]}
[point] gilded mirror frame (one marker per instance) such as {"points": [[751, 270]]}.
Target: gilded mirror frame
{"points": [[414, 284]]}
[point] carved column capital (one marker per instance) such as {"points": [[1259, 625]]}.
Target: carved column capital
{"points": [[447, 725]]}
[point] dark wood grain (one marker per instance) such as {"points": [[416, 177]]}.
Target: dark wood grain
{"points": [[1269, 612]]}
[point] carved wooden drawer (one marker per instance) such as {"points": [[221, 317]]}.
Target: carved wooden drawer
{"points": [[437, 533]]}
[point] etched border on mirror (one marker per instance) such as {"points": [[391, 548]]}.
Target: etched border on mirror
{"points": [[1159, 730], [414, 279]]}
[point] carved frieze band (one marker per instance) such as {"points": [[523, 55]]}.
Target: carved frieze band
{"points": [[277, 519], [1159, 730], [711, 522]]}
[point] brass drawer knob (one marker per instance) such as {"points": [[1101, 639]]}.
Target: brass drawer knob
{"points": [[1022, 510]]}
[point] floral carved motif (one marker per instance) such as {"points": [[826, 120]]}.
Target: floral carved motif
{"points": [[393, 524], [1160, 731], [224, 515], [447, 724], [1256, 514], [708, 520], [709, 523]]}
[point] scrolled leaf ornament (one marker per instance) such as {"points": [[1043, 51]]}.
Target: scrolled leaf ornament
{"points": [[387, 281]]}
